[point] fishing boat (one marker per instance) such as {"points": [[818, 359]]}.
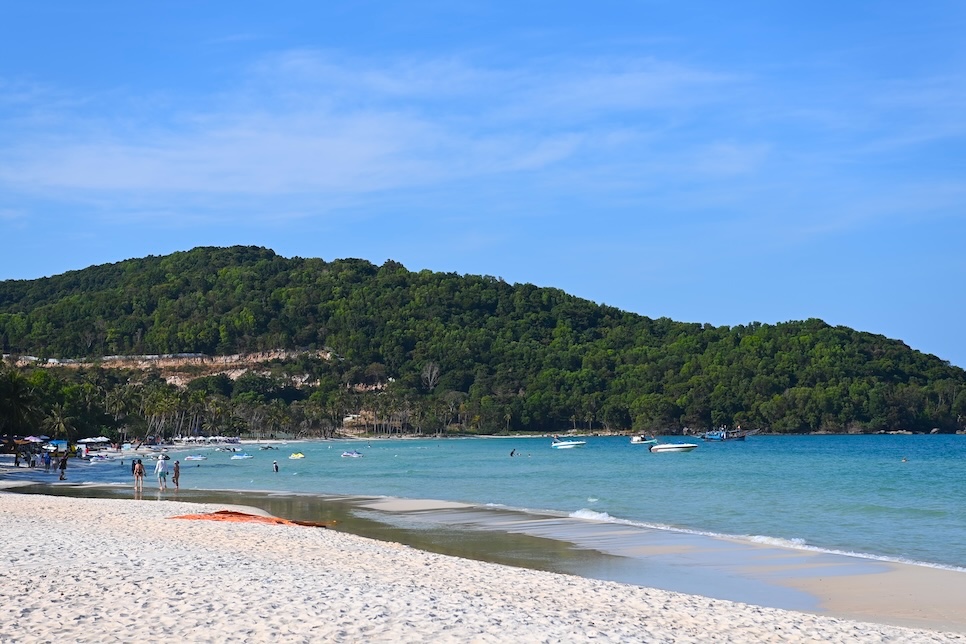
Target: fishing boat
{"points": [[643, 440], [297, 455], [559, 444], [725, 434], [672, 447]]}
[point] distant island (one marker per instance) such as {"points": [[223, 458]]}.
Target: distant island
{"points": [[242, 341]]}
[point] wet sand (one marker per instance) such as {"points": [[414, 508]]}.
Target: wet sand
{"points": [[821, 583], [86, 569]]}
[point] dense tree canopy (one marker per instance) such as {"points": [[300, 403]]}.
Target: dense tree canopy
{"points": [[440, 350]]}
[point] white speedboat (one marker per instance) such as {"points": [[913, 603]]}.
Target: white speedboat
{"points": [[242, 456], [672, 447], [352, 454], [559, 444], [195, 457]]}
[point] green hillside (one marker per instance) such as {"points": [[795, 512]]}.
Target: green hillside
{"points": [[443, 351]]}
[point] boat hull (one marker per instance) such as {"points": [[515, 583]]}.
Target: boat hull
{"points": [[567, 444], [672, 447]]}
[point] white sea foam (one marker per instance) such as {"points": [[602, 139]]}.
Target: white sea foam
{"points": [[794, 543], [594, 516], [777, 541]]}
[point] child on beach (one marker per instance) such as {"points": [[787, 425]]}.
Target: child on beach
{"points": [[176, 474]]}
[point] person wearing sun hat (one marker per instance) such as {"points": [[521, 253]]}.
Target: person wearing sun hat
{"points": [[161, 469]]}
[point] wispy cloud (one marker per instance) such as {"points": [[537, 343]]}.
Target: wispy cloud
{"points": [[308, 130], [306, 122], [10, 214]]}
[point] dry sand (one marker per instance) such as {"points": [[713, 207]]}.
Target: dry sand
{"points": [[93, 570]]}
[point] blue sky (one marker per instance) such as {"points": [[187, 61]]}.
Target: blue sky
{"points": [[720, 162]]}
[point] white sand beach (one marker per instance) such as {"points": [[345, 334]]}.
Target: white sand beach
{"points": [[94, 570]]}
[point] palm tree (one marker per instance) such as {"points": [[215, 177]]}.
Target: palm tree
{"points": [[19, 407], [59, 422]]}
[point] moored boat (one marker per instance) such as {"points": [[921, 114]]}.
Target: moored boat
{"points": [[643, 440], [672, 447], [725, 434], [559, 444]]}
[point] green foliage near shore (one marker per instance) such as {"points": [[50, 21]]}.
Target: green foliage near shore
{"points": [[434, 351]]}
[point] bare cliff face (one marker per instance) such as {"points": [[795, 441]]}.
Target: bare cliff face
{"points": [[179, 369]]}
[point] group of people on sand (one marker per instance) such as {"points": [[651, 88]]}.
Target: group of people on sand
{"points": [[160, 470]]}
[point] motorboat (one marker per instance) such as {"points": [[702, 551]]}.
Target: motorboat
{"points": [[240, 457], [100, 458], [643, 440], [559, 444], [195, 457], [725, 434], [352, 454], [672, 447], [297, 455]]}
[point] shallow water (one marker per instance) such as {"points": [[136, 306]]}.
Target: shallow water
{"points": [[843, 494]]}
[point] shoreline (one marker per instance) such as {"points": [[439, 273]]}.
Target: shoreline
{"points": [[779, 578], [207, 581]]}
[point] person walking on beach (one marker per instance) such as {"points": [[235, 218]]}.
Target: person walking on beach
{"points": [[138, 468], [63, 468], [161, 469], [46, 461], [176, 474]]}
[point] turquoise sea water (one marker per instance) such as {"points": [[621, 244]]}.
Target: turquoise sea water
{"points": [[848, 494]]}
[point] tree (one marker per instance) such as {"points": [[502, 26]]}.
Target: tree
{"points": [[19, 409], [430, 376], [59, 423]]}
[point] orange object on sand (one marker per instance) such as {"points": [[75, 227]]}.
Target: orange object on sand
{"points": [[232, 515]]}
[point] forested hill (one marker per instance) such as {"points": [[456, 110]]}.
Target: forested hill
{"points": [[517, 356]]}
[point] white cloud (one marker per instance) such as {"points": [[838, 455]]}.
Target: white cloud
{"points": [[310, 131], [309, 123], [10, 214]]}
